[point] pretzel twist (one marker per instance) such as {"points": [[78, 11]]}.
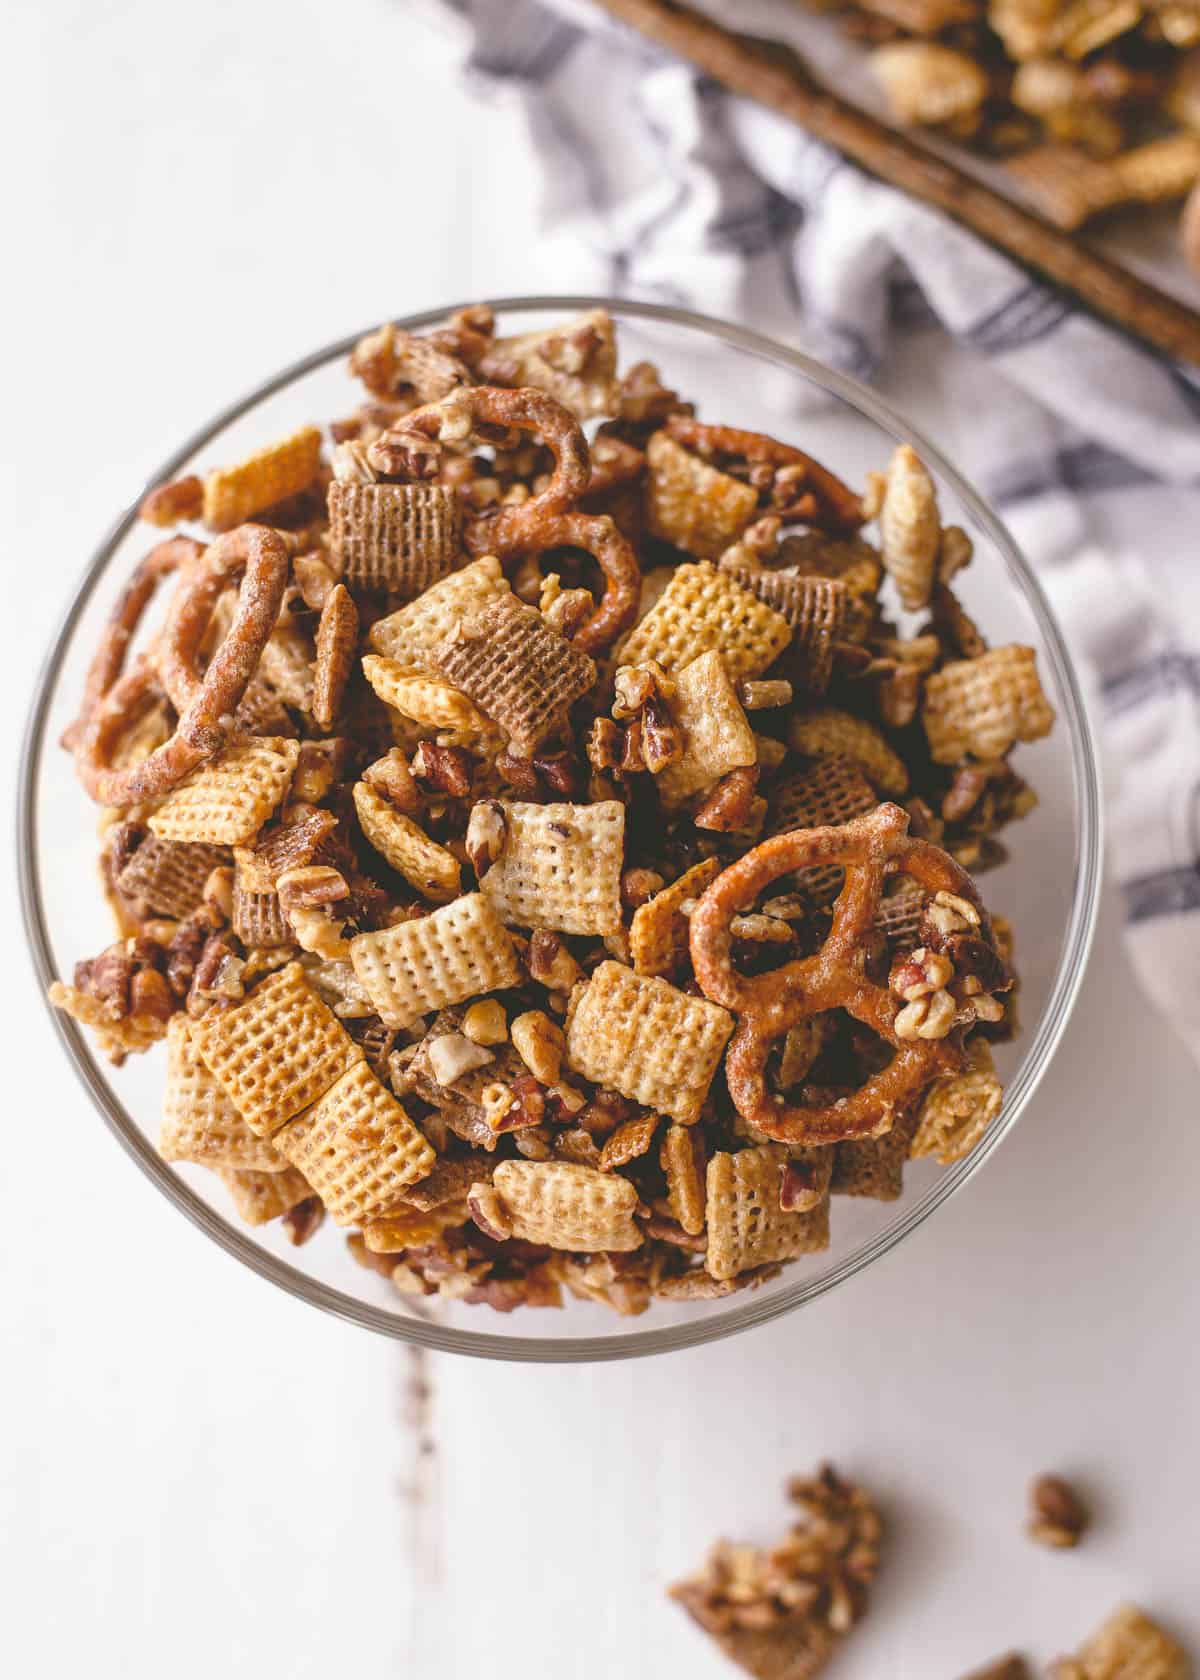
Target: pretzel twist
{"points": [[550, 519], [827, 503], [206, 704], [122, 623], [869, 849]]}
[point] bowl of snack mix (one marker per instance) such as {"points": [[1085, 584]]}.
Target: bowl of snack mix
{"points": [[598, 834]]}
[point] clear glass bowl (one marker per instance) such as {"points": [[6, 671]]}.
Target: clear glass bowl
{"points": [[1048, 889]]}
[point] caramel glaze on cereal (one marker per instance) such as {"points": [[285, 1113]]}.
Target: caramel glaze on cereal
{"points": [[549, 859]]}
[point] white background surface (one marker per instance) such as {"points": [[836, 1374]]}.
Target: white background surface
{"points": [[200, 1476]]}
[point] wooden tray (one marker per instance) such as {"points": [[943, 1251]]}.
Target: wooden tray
{"points": [[774, 73]]}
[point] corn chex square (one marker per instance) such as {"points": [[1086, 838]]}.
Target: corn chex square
{"points": [[746, 1225], [564, 1205], [394, 537], [955, 1112], [517, 670], [269, 475], [639, 1035], [454, 953], [226, 802], [356, 1147], [702, 609], [717, 736], [981, 707], [431, 869], [658, 933], [262, 1196], [199, 1123], [411, 634], [560, 867], [277, 1052], [690, 503]]}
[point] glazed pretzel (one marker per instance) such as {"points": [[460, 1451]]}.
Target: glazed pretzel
{"points": [[262, 557], [826, 502], [412, 448], [108, 661], [205, 704], [869, 849]]}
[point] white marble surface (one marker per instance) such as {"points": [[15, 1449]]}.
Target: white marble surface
{"points": [[202, 1476]]}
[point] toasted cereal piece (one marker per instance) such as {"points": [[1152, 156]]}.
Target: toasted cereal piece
{"points": [[449, 1181], [681, 1157], [898, 918], [830, 733], [233, 494], [168, 877], [559, 867], [454, 953], [982, 707], [854, 562], [691, 504], [874, 1167], [629, 1142], [910, 529], [430, 868], [429, 701], [699, 1285], [405, 1227], [1128, 1646], [658, 933], [336, 640], [567, 1206], [830, 792], [226, 802], [258, 918], [287, 666], [411, 634], [957, 1111], [717, 736], [262, 1196], [639, 1035], [199, 1123], [394, 537], [277, 1052], [927, 83], [576, 363], [746, 1225], [702, 609], [356, 1147], [816, 609], [517, 670]]}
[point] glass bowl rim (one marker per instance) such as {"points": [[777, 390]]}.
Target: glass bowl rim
{"points": [[750, 1309]]}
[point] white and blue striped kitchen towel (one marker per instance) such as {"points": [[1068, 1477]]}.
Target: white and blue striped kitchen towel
{"points": [[661, 185]]}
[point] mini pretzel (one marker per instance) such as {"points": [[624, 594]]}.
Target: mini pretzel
{"points": [[870, 849], [826, 501], [206, 704], [412, 447], [109, 659], [596, 535]]}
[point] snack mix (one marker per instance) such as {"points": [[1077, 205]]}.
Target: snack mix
{"points": [[1092, 104], [550, 858]]}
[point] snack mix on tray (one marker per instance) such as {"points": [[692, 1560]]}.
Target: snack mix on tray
{"points": [[550, 859], [1093, 104]]}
